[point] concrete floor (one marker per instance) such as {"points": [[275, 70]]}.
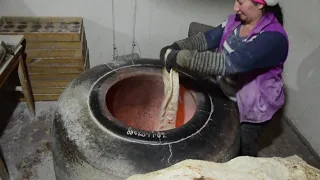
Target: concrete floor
{"points": [[26, 143]]}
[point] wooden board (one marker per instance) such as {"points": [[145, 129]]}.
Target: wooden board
{"points": [[51, 90], [56, 52], [47, 84], [52, 77], [59, 44], [43, 97], [50, 53], [43, 28], [47, 53], [54, 70], [31, 58], [58, 65], [49, 61]]}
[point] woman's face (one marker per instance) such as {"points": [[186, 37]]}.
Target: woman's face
{"points": [[247, 10]]}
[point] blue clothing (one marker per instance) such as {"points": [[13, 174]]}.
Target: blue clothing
{"points": [[234, 41], [255, 61], [266, 50]]}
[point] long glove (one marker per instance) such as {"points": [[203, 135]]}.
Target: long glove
{"points": [[206, 63], [197, 42], [163, 51]]}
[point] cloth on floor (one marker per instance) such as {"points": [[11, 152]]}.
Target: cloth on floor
{"points": [[240, 168], [169, 105]]}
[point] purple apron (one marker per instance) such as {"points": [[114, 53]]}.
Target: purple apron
{"points": [[260, 93]]}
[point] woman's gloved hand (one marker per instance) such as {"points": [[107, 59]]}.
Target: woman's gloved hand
{"points": [[163, 51], [170, 59]]}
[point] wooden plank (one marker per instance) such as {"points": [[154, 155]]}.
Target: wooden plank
{"points": [[87, 61], [54, 45], [58, 69], [62, 60], [43, 97], [25, 84], [53, 77], [37, 84], [58, 53], [41, 19], [48, 90], [43, 28], [46, 37], [36, 70], [56, 65], [85, 52], [46, 53], [58, 44]]}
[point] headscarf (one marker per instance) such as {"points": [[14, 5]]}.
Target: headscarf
{"points": [[267, 2]]}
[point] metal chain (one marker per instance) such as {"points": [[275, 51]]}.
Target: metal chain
{"points": [[134, 26], [134, 43], [115, 51]]}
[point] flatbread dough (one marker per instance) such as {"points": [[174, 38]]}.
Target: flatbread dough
{"points": [[169, 105]]}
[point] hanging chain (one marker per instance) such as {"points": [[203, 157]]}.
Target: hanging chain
{"points": [[134, 26], [115, 51], [134, 44]]}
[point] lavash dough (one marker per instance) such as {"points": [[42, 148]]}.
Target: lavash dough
{"points": [[169, 105]]}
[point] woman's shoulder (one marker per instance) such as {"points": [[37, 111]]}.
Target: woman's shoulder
{"points": [[275, 27]]}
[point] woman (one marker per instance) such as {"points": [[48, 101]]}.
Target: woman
{"points": [[251, 48]]}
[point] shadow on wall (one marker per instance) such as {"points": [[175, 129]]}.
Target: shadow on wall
{"points": [[100, 42], [308, 81], [304, 103]]}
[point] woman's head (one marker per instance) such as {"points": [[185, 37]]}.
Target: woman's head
{"points": [[250, 11]]}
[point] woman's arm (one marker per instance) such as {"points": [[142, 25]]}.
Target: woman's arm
{"points": [[266, 50], [203, 41]]}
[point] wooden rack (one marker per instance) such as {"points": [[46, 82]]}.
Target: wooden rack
{"points": [[56, 51]]}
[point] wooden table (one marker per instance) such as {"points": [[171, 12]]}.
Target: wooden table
{"points": [[10, 63]]}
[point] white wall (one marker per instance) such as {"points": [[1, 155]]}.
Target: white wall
{"points": [[302, 70], [159, 22]]}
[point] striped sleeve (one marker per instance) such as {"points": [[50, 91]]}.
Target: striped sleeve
{"points": [[203, 41], [207, 63], [267, 50], [196, 42]]}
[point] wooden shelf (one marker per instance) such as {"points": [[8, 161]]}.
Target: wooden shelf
{"points": [[56, 51]]}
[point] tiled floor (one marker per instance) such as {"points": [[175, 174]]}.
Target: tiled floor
{"points": [[26, 144]]}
